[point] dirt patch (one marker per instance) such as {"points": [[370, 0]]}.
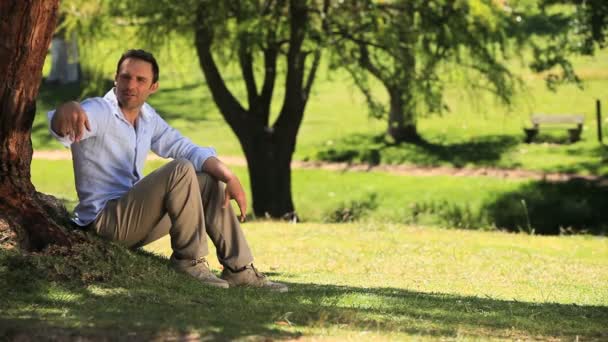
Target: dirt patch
{"points": [[403, 170]]}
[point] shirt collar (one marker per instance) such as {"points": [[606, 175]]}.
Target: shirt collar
{"points": [[110, 97]]}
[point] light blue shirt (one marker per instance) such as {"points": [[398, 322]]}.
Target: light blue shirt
{"points": [[110, 158]]}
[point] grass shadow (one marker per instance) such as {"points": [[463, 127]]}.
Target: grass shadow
{"points": [[147, 301], [543, 207]]}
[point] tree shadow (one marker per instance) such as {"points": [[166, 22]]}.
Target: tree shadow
{"points": [[482, 151], [159, 303], [577, 205], [598, 168]]}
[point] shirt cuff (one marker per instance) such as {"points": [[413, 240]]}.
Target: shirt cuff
{"points": [[65, 141]]}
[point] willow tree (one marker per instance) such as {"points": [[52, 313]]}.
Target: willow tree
{"points": [[26, 28], [407, 44]]}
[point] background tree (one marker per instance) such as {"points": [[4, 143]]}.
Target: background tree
{"points": [[26, 28], [269, 41], [266, 31], [408, 44]]}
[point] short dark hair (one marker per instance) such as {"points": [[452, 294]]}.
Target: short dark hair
{"points": [[144, 56]]}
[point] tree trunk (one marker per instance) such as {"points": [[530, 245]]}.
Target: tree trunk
{"points": [[401, 119], [270, 176], [26, 28]]}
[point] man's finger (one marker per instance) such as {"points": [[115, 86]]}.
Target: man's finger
{"points": [[77, 131], [80, 126], [86, 123], [243, 209]]}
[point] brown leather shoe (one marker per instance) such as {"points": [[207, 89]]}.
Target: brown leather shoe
{"points": [[199, 269], [251, 277]]}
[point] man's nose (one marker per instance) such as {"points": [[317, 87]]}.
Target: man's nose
{"points": [[131, 83]]}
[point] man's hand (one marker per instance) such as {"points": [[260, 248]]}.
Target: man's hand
{"points": [[70, 120], [234, 190]]}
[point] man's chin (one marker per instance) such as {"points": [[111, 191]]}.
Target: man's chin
{"points": [[130, 103]]}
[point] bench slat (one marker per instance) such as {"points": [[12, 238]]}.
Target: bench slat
{"points": [[557, 119]]}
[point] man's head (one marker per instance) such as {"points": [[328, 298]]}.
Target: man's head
{"points": [[136, 78]]}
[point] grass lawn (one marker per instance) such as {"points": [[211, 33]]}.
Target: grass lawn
{"points": [[452, 202], [347, 282]]}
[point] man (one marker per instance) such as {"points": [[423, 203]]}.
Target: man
{"points": [[187, 198]]}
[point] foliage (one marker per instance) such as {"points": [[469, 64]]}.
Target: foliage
{"points": [[552, 208], [410, 46], [557, 31], [353, 210], [447, 214]]}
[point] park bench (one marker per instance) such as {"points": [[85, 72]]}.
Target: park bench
{"points": [[572, 122]]}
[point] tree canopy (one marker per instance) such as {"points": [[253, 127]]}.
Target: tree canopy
{"points": [[409, 45]]}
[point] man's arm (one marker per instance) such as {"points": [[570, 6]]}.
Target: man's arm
{"points": [[234, 189], [71, 120], [169, 143]]}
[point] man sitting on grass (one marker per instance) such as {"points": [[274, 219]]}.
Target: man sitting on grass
{"points": [[187, 198]]}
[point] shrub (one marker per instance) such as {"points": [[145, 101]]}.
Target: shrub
{"points": [[447, 214], [353, 210]]}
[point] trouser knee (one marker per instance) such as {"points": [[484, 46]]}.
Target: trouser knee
{"points": [[181, 168]]}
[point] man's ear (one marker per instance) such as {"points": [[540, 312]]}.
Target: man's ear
{"points": [[154, 87], [115, 78]]}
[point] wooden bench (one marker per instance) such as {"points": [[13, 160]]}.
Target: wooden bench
{"points": [[566, 121]]}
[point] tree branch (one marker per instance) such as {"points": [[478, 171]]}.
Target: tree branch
{"points": [[229, 106], [246, 64], [312, 72]]}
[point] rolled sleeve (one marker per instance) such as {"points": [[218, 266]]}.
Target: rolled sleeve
{"points": [[200, 155], [167, 142]]}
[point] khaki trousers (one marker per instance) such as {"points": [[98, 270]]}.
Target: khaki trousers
{"points": [[177, 200]]}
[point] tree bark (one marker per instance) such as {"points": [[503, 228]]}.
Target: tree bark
{"points": [[401, 85], [401, 118], [26, 28]]}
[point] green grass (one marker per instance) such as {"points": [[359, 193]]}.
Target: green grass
{"points": [[444, 201], [347, 281]]}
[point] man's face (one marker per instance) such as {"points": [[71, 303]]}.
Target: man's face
{"points": [[134, 83]]}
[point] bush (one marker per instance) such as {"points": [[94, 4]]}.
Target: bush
{"points": [[353, 210], [446, 214], [542, 207]]}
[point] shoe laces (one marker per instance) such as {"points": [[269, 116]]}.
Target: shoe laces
{"points": [[201, 260], [257, 273]]}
